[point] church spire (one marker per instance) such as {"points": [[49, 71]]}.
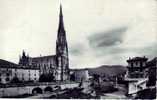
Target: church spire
{"points": [[62, 59], [61, 23], [61, 14]]}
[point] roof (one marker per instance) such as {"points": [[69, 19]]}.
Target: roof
{"points": [[84, 69], [137, 59], [43, 57], [8, 64]]}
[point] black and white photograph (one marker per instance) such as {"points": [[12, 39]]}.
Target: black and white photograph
{"points": [[78, 49]]}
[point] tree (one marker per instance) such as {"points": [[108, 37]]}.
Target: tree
{"points": [[96, 78], [152, 77], [15, 80], [46, 78]]}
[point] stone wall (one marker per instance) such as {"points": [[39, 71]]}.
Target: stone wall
{"points": [[14, 91]]}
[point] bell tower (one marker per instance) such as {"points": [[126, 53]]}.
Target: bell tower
{"points": [[62, 59]]}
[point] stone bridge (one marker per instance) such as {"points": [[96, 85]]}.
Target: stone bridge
{"points": [[20, 89]]}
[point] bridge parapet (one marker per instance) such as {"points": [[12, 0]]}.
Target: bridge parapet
{"points": [[19, 89]]}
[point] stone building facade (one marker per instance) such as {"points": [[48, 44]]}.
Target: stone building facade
{"points": [[58, 64], [141, 73], [9, 71], [137, 67], [46, 64]]}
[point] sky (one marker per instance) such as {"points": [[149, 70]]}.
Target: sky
{"points": [[99, 32]]}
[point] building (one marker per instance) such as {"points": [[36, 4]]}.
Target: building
{"points": [[137, 74], [152, 78], [57, 65], [46, 64], [137, 67], [10, 71], [79, 75]]}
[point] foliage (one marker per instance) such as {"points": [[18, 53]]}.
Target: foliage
{"points": [[15, 80], [46, 78], [146, 94], [152, 77]]}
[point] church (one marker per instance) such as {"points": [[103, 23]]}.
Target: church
{"points": [[56, 65]]}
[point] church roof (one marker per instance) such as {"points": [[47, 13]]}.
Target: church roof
{"points": [[74, 70], [43, 57]]}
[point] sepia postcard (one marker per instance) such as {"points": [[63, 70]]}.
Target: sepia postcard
{"points": [[78, 49]]}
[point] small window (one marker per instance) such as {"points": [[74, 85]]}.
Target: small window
{"points": [[7, 79], [131, 64], [7, 74], [141, 64]]}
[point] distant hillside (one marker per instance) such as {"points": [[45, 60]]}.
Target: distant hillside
{"points": [[108, 70]]}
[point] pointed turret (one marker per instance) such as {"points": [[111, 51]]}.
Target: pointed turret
{"points": [[23, 54], [24, 60]]}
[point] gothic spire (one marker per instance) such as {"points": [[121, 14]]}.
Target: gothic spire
{"points": [[62, 59], [61, 14], [61, 23]]}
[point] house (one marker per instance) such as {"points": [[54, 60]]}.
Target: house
{"points": [[10, 71], [141, 73]]}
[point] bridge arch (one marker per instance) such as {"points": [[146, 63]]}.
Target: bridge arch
{"points": [[37, 90], [48, 89]]}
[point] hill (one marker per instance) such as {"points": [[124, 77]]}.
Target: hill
{"points": [[107, 70]]}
